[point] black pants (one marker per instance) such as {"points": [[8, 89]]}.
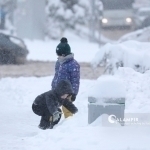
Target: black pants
{"points": [[44, 112]]}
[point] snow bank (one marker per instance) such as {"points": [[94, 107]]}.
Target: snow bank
{"points": [[126, 82], [137, 88], [131, 54], [141, 35]]}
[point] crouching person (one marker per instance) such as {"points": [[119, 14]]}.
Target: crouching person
{"points": [[47, 104]]}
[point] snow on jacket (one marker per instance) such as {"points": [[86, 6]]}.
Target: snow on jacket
{"points": [[69, 69], [52, 99]]}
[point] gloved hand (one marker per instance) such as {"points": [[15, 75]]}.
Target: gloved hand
{"points": [[56, 116], [70, 106], [73, 97]]}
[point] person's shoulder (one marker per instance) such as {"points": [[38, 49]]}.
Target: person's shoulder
{"points": [[50, 95], [47, 93], [73, 60], [76, 62]]}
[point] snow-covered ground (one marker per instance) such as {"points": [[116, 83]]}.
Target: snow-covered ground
{"points": [[46, 50], [18, 124], [131, 54]]}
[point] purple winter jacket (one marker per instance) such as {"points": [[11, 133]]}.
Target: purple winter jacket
{"points": [[70, 70]]}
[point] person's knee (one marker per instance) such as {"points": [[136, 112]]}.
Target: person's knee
{"points": [[37, 110]]}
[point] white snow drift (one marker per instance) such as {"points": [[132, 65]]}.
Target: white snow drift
{"points": [[131, 54]]}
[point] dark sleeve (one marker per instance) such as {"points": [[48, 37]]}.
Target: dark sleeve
{"points": [[57, 65], [70, 106], [75, 77], [51, 105]]}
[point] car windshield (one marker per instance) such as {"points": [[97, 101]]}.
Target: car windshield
{"points": [[144, 13], [117, 4]]}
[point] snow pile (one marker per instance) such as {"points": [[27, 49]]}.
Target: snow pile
{"points": [[141, 35], [108, 87], [131, 54], [137, 88], [128, 84]]}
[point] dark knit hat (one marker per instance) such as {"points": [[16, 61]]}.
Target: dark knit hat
{"points": [[63, 48]]}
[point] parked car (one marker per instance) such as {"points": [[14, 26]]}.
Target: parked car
{"points": [[141, 35], [12, 50], [141, 16], [146, 22]]}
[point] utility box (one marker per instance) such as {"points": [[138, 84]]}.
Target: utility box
{"points": [[112, 108], [107, 97], [30, 19]]}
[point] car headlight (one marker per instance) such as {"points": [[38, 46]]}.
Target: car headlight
{"points": [[128, 20], [104, 20]]}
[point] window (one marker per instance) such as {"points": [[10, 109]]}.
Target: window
{"points": [[117, 4]]}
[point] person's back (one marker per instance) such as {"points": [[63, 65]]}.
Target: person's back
{"points": [[68, 69], [47, 104]]}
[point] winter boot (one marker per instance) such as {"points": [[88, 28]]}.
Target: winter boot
{"points": [[51, 125], [44, 124]]}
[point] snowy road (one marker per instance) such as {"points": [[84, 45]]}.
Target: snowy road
{"points": [[45, 68]]}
